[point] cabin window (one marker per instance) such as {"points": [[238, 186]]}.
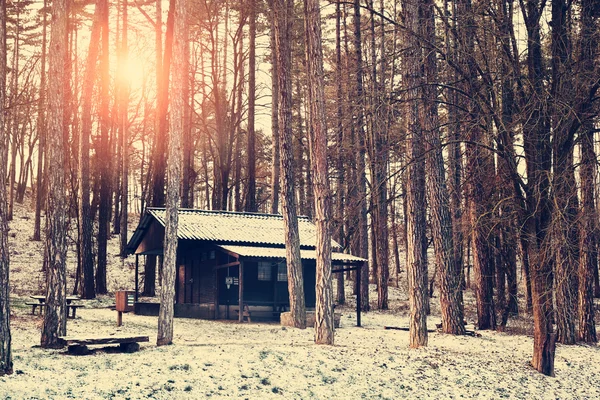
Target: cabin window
{"points": [[264, 271], [282, 272]]}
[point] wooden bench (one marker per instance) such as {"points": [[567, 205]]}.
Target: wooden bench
{"points": [[71, 308], [34, 305], [78, 346]]}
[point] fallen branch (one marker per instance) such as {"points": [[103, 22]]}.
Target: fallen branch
{"points": [[400, 328]]}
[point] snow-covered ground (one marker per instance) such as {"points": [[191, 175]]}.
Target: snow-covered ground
{"points": [[261, 360]]}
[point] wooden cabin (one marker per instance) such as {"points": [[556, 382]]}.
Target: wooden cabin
{"points": [[230, 259]]}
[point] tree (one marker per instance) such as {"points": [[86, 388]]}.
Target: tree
{"points": [[588, 51], [415, 176], [275, 171], [251, 197], [360, 194], [283, 16], [124, 129], [55, 322], [437, 189], [85, 218], [104, 169], [6, 362], [175, 158], [322, 194], [41, 128]]}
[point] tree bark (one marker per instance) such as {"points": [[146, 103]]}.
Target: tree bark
{"points": [[175, 157], [361, 181], [588, 262], [41, 128], [104, 166], [283, 17], [251, 150], [55, 323], [324, 329], [415, 177], [85, 218], [441, 218], [124, 136], [275, 173], [6, 362]]}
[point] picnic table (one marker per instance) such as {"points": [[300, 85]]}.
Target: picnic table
{"points": [[41, 303]]}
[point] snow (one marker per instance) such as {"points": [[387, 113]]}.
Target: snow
{"points": [[264, 360]]}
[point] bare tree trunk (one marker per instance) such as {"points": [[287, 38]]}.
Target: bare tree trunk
{"points": [[85, 218], [588, 262], [536, 140], [251, 196], [415, 177], [275, 173], [340, 296], [283, 17], [55, 323], [124, 128], [104, 167], [361, 181], [6, 362], [441, 218], [41, 128], [324, 330], [177, 126]]}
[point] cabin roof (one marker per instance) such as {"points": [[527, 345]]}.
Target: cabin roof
{"points": [[227, 227], [274, 252]]}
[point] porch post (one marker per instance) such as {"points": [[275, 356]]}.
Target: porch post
{"points": [[358, 298], [241, 292], [137, 270]]}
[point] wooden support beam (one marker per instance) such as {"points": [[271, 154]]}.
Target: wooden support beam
{"points": [[241, 291], [137, 271], [231, 264], [358, 298]]}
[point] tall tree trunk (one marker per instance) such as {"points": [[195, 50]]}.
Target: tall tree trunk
{"points": [[324, 330], [441, 218], [6, 362], [177, 126], [564, 243], [104, 155], [275, 173], [415, 177], [251, 197], [340, 296], [536, 140], [124, 136], [588, 262], [283, 17], [55, 323], [361, 181], [85, 218], [41, 129]]}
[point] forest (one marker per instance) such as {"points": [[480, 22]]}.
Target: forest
{"points": [[451, 143]]}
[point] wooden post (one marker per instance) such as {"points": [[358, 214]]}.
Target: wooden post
{"points": [[137, 271], [241, 292], [358, 298], [119, 318]]}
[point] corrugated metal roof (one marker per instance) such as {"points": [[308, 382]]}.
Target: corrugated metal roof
{"points": [[270, 252], [234, 227]]}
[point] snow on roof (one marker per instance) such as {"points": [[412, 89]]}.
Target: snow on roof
{"points": [[271, 252], [228, 227]]}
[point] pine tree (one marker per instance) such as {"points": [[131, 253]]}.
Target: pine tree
{"points": [[55, 323], [6, 362], [175, 157]]}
